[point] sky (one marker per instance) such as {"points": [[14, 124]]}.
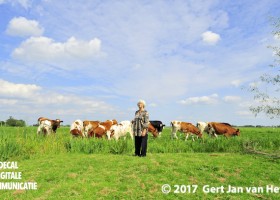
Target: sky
{"points": [[190, 60]]}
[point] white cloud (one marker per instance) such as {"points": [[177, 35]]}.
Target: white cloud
{"points": [[44, 49], [9, 89], [152, 105], [244, 113], [236, 83], [20, 26], [212, 99], [34, 100], [24, 3], [254, 84], [210, 38], [232, 99], [8, 102], [247, 104]]}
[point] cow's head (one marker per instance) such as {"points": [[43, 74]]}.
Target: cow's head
{"points": [[153, 130], [111, 132], [76, 132], [160, 128], [85, 123], [237, 132], [114, 121], [58, 121], [56, 124]]}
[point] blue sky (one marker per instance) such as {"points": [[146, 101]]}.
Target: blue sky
{"points": [[89, 59]]}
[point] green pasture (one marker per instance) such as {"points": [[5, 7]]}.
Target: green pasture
{"points": [[25, 143], [77, 168]]}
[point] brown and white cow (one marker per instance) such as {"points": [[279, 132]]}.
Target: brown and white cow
{"points": [[158, 125], [203, 127], [153, 130], [216, 128], [97, 128], [44, 128], [120, 130], [102, 128], [48, 126], [77, 128], [184, 127], [89, 126]]}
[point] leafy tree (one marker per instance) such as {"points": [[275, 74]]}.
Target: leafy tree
{"points": [[14, 122], [20, 123], [11, 121], [267, 91]]}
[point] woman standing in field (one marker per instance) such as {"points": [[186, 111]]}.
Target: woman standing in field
{"points": [[140, 129]]}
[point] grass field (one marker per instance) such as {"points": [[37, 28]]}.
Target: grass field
{"points": [[76, 168]]}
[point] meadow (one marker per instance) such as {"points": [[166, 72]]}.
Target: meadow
{"points": [[79, 168]]}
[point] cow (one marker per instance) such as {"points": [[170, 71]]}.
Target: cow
{"points": [[48, 126], [216, 128], [113, 121], [77, 128], [102, 129], [118, 130], [153, 130], [157, 125], [45, 128], [203, 127], [89, 126], [184, 127]]}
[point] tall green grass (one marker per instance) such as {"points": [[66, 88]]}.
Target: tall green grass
{"points": [[24, 143]]}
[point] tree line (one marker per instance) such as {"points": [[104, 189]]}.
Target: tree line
{"points": [[13, 122]]}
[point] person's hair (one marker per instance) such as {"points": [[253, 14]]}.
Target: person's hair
{"points": [[141, 101]]}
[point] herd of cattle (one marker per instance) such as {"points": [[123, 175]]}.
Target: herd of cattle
{"points": [[113, 129]]}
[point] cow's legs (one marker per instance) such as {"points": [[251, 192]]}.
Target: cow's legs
{"points": [[187, 135], [173, 135], [193, 137], [213, 134], [226, 135], [131, 135], [39, 130]]}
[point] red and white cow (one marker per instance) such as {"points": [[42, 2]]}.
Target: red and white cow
{"points": [[44, 128], [119, 130], [48, 126], [102, 128], [98, 129], [216, 128], [77, 128], [153, 130], [203, 127], [184, 127], [158, 125], [89, 126]]}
